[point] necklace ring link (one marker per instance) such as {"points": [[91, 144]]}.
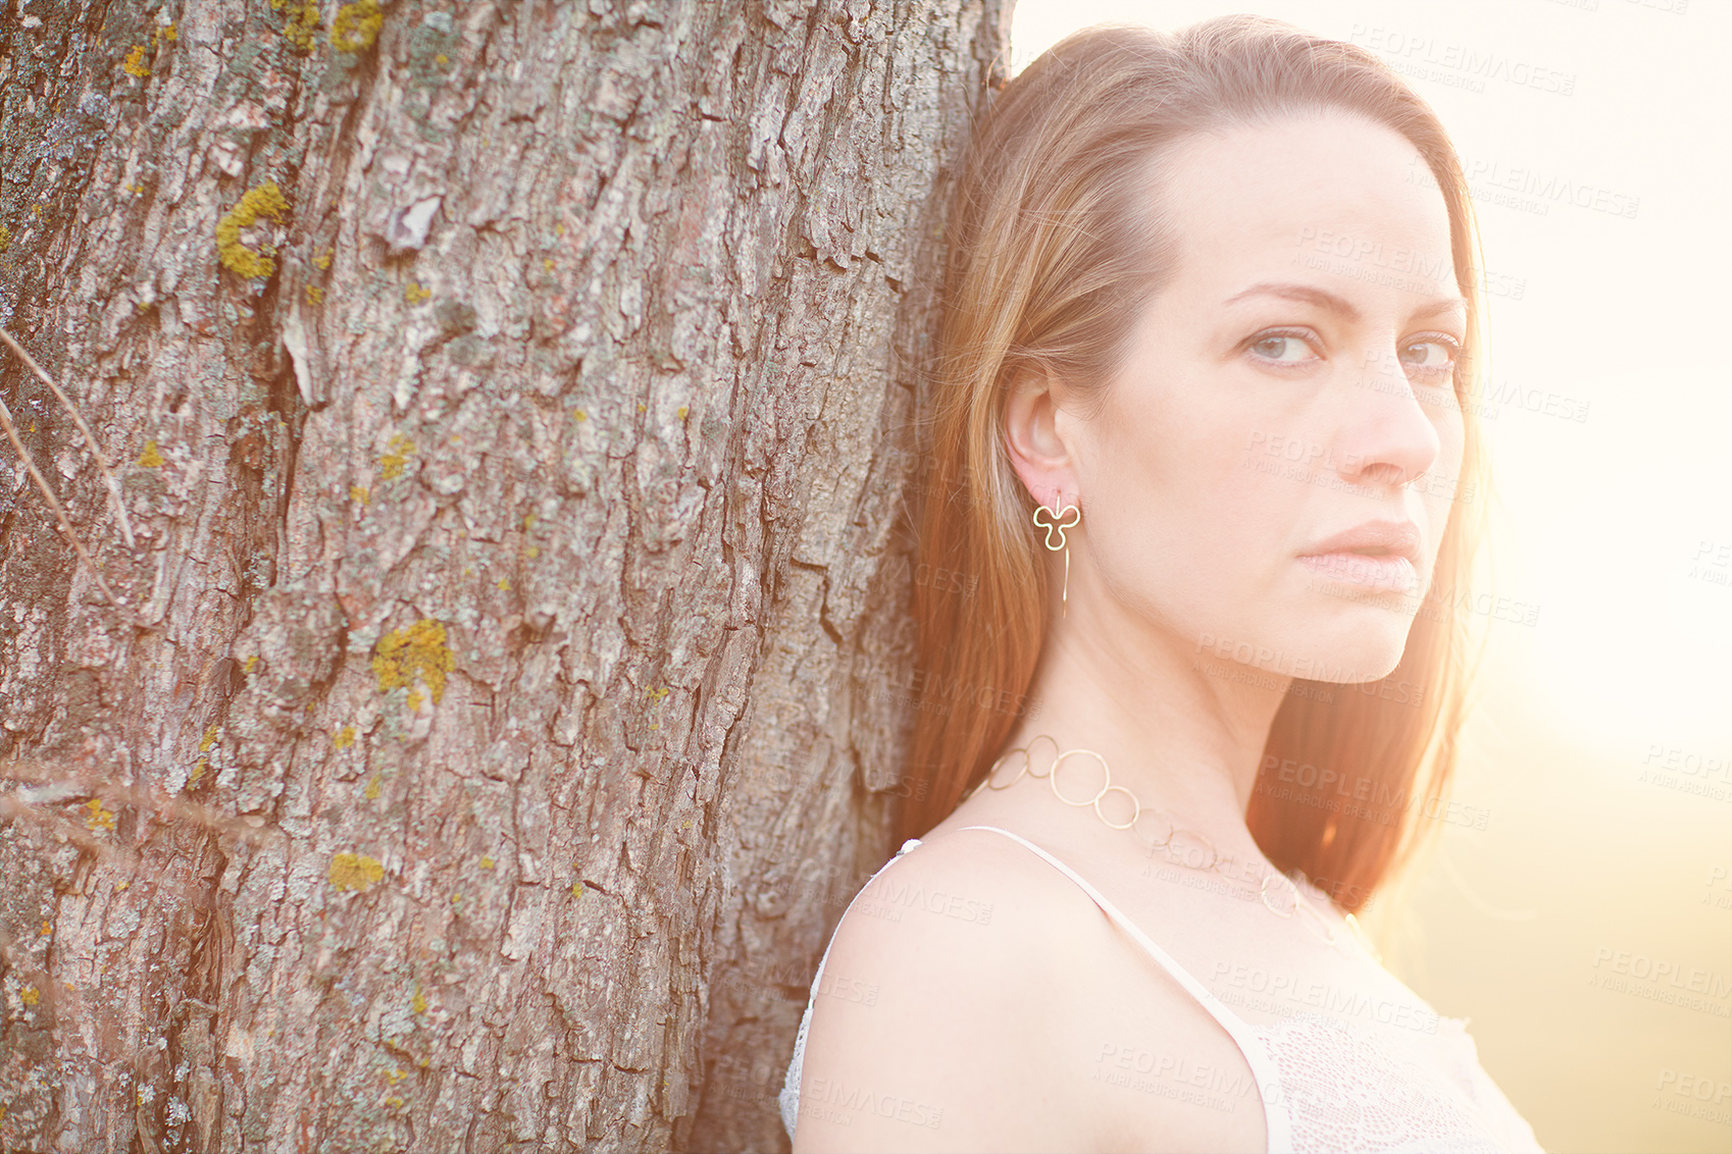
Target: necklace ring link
{"points": [[1106, 778]]}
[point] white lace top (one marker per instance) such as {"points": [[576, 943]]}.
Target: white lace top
{"points": [[1326, 1084]]}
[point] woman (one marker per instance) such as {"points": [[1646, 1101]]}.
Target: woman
{"points": [[1209, 316]]}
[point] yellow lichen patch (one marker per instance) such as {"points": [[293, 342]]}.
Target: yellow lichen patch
{"points": [[359, 493], [150, 458], [252, 660], [532, 552], [416, 650], [372, 791], [418, 1004], [682, 412], [547, 263], [29, 996], [315, 295], [197, 773], [442, 59], [210, 739], [395, 457], [301, 28], [98, 819], [166, 32], [354, 871], [323, 260], [344, 738], [580, 414], [6, 236], [47, 929], [134, 62], [487, 863], [415, 294], [505, 583], [265, 200], [356, 26]]}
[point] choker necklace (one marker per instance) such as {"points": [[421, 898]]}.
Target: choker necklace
{"points": [[1290, 904]]}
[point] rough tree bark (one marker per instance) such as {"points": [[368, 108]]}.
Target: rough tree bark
{"points": [[510, 406]]}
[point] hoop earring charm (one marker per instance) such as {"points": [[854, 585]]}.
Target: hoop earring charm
{"points": [[1058, 520]]}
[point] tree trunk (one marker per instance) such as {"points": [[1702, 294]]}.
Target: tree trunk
{"points": [[510, 408]]}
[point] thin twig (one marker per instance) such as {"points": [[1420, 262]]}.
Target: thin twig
{"points": [[65, 521], [62, 783], [89, 437]]}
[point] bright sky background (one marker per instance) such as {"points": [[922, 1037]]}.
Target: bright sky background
{"points": [[1619, 527]]}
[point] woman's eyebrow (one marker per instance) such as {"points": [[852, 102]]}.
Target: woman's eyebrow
{"points": [[1299, 292], [1339, 305]]}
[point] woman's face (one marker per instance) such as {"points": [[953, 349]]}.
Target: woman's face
{"points": [[1290, 384]]}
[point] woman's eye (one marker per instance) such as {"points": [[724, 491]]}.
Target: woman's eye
{"points": [[1282, 348], [1432, 355]]}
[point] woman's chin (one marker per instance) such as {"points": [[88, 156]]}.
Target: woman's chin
{"points": [[1350, 651]]}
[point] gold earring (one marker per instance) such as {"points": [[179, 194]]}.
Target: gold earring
{"points": [[1059, 519]]}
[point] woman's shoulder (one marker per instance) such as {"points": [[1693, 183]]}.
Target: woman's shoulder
{"points": [[957, 972]]}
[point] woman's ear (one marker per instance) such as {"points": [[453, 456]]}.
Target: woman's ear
{"points": [[1035, 434]]}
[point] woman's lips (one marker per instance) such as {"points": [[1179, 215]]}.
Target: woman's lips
{"points": [[1367, 570]]}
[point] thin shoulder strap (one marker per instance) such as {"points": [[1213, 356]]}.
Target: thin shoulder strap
{"points": [[1256, 1053], [894, 858]]}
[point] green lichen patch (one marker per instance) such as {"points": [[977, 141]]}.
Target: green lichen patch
{"points": [[354, 872], [265, 200], [416, 650]]}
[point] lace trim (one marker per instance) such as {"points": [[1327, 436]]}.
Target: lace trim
{"points": [[1345, 1088]]}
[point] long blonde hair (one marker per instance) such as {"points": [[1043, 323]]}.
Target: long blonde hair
{"points": [[1052, 254]]}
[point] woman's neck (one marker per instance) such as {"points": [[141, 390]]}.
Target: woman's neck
{"points": [[1182, 730]]}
